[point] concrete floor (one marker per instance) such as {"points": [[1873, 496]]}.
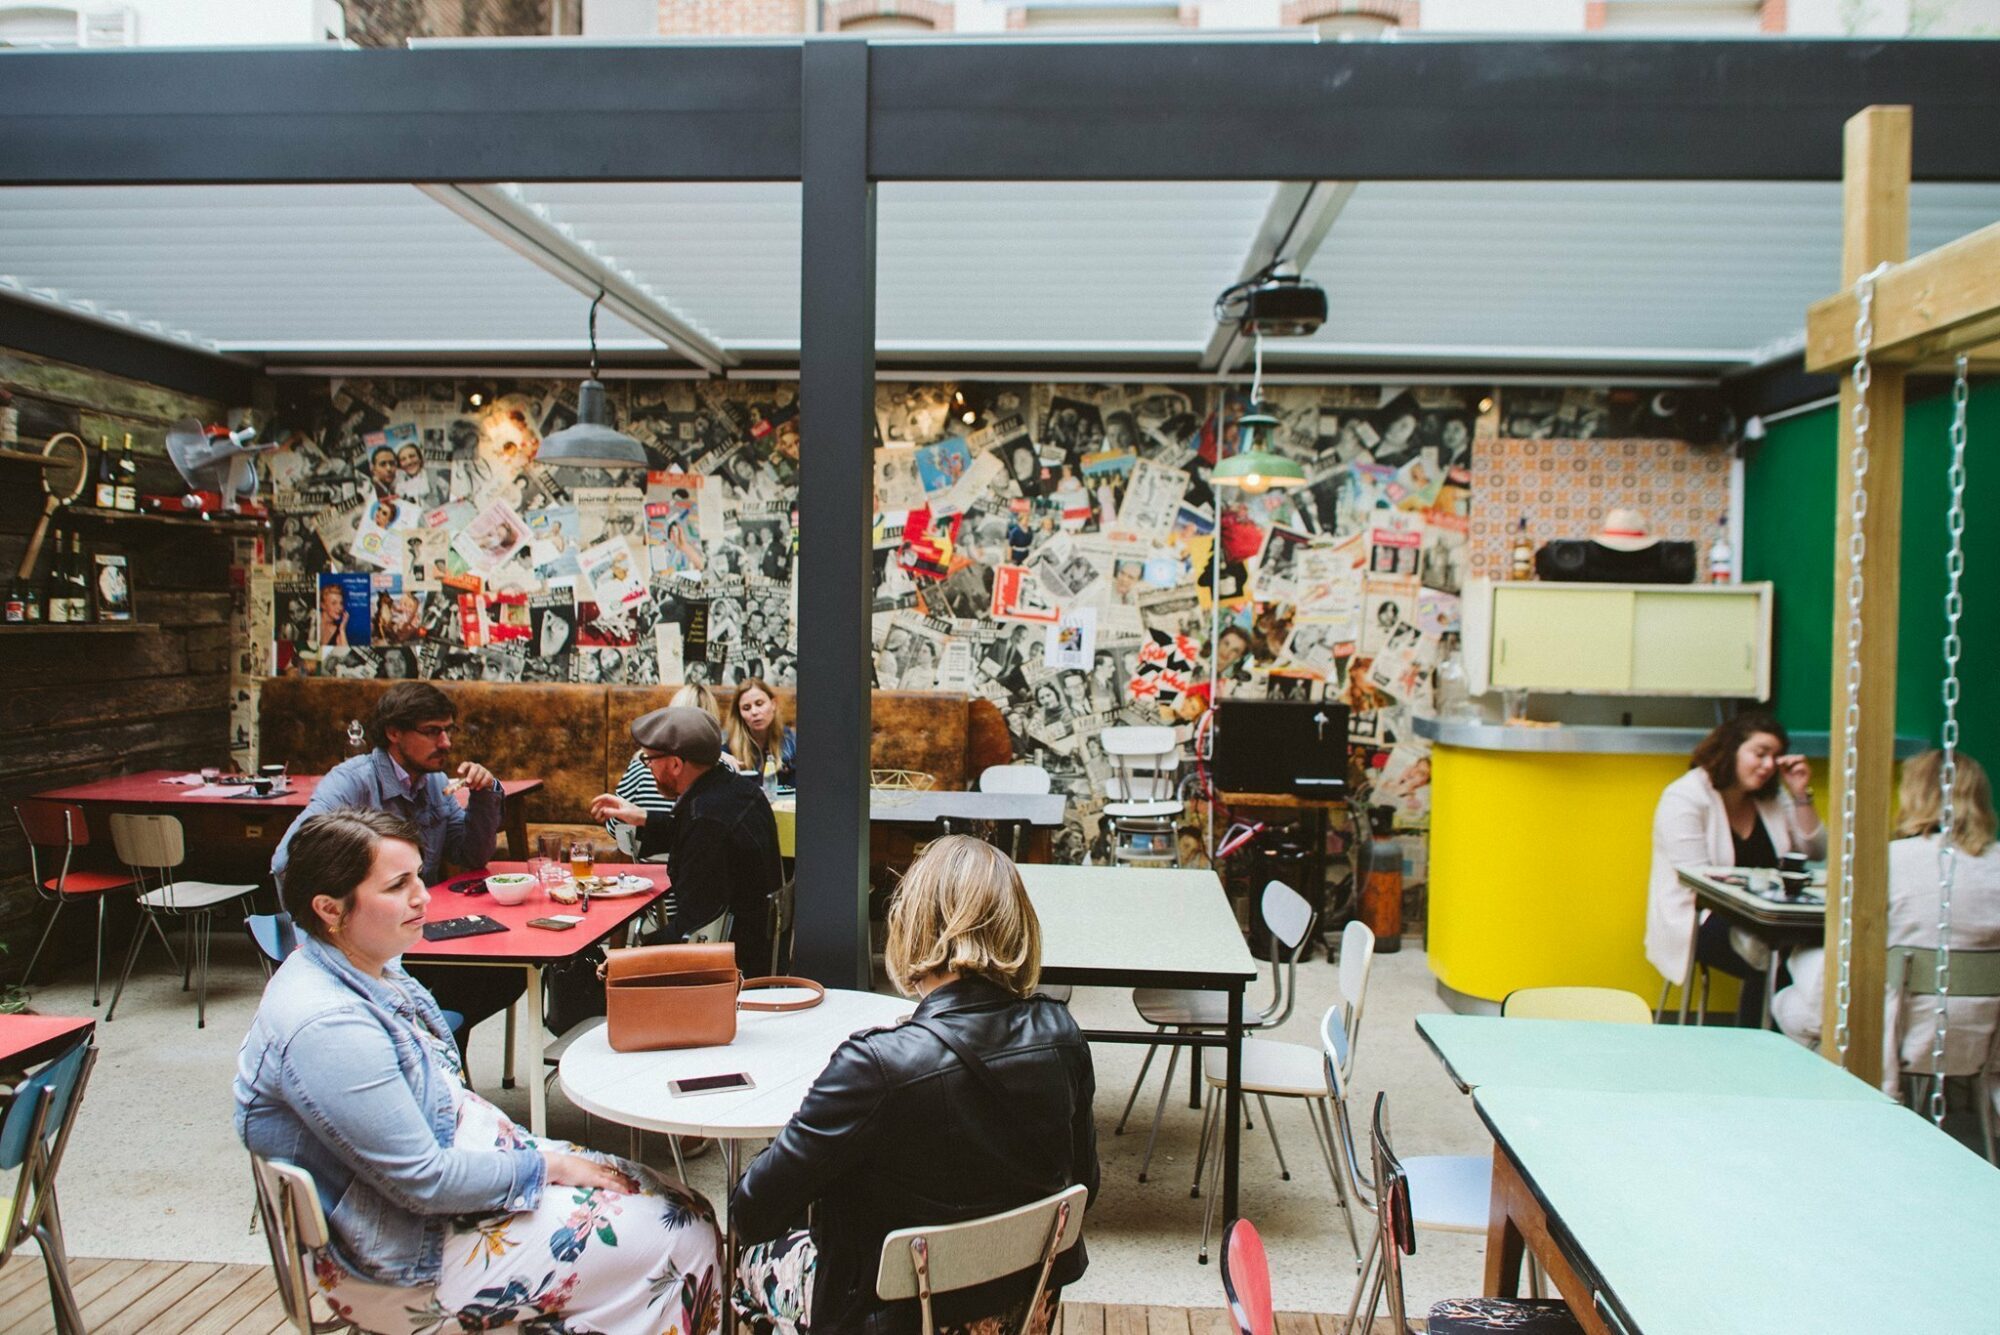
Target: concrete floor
{"points": [[154, 1169]]}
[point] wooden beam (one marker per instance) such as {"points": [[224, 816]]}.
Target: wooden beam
{"points": [[1942, 302], [1876, 228]]}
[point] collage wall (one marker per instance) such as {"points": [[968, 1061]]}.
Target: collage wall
{"points": [[1051, 547]]}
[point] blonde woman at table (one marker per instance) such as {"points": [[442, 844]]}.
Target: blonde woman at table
{"points": [[757, 734], [1744, 802], [442, 1211], [898, 1130], [1972, 1038]]}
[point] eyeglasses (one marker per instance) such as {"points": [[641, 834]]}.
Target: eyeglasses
{"points": [[435, 732], [649, 757]]}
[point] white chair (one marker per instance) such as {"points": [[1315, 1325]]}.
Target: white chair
{"points": [[921, 1262], [1273, 1069], [1288, 917], [1974, 973], [294, 1229], [153, 849], [1029, 779], [1448, 1193], [1142, 799]]}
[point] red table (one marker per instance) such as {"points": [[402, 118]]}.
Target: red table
{"points": [[532, 949], [239, 833], [26, 1041]]}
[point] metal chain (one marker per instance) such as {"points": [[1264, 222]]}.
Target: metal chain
{"points": [[1857, 551], [1954, 606]]}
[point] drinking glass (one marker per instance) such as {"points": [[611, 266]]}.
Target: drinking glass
{"points": [[582, 855], [210, 773], [550, 854]]}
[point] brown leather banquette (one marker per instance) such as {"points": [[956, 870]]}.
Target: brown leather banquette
{"points": [[578, 738]]}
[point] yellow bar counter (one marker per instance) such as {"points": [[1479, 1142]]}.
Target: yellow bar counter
{"points": [[1540, 842]]}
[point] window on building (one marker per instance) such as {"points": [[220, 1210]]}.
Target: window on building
{"points": [[1103, 16], [1354, 27], [884, 25], [1682, 18], [39, 25]]}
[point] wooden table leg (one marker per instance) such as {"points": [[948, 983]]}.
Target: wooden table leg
{"points": [[1516, 1225]]}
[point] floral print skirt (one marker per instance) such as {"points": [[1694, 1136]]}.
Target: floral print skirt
{"points": [[583, 1260], [774, 1282]]}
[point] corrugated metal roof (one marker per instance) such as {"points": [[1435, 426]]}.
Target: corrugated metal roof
{"points": [[1693, 275]]}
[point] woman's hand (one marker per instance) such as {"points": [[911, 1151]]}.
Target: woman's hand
{"points": [[573, 1170], [1797, 776], [606, 807]]}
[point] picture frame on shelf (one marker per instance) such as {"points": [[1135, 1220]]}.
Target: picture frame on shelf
{"points": [[111, 586]]}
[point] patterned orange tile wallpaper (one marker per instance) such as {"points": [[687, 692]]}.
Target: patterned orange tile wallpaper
{"points": [[1565, 487]]}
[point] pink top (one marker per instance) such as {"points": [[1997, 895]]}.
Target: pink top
{"points": [[26, 1040], [150, 788], [522, 944]]}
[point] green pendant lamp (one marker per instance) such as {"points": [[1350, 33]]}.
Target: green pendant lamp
{"points": [[1253, 468]]}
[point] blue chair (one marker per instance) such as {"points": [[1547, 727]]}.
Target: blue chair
{"points": [[275, 937], [32, 1139]]}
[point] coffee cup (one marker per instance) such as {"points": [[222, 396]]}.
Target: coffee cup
{"points": [[260, 786], [276, 774], [1794, 874]]}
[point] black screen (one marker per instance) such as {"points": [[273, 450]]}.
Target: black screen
{"points": [[1281, 746], [702, 1084]]}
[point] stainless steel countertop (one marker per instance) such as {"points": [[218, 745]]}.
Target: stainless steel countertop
{"points": [[1608, 740]]}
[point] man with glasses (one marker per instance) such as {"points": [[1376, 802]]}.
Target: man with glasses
{"points": [[720, 838], [405, 775]]}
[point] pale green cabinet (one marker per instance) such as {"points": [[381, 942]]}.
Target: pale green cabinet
{"points": [[1619, 639]]}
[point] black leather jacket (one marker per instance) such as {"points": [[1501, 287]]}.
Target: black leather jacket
{"points": [[896, 1132]]}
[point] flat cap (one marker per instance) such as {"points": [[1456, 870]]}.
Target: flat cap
{"points": [[692, 734]]}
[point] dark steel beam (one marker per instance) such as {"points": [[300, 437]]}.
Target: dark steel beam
{"points": [[836, 501], [30, 327], [1759, 109], [504, 113]]}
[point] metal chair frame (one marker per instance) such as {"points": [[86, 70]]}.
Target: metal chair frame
{"points": [[153, 849], [1143, 798], [979, 1251], [76, 834], [294, 1228]]}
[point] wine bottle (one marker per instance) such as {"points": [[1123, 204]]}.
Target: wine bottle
{"points": [[1521, 560], [32, 597], [128, 478], [16, 613], [1721, 557], [104, 494], [57, 585], [80, 610]]}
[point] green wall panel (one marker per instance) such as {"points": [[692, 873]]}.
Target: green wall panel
{"points": [[1788, 538]]}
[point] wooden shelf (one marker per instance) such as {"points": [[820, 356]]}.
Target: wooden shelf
{"points": [[78, 628], [241, 524]]}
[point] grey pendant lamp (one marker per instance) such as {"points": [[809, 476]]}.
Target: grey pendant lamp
{"points": [[591, 441]]}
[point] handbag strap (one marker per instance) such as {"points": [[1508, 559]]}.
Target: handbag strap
{"points": [[776, 981], [991, 1082]]}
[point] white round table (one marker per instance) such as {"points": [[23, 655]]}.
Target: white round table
{"points": [[782, 1053]]}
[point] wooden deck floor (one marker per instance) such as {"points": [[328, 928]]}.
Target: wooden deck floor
{"points": [[201, 1298]]}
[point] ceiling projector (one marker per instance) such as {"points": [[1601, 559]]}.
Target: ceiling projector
{"points": [[1276, 301]]}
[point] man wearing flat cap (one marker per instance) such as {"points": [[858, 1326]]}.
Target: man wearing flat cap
{"points": [[721, 839]]}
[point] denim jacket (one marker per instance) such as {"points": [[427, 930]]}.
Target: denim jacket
{"points": [[335, 1077], [449, 833]]}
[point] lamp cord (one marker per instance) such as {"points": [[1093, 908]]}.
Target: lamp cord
{"points": [[594, 302]]}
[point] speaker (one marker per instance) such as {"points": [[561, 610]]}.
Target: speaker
{"points": [[1580, 560]]}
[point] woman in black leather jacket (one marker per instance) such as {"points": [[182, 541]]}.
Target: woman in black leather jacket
{"points": [[897, 1132]]}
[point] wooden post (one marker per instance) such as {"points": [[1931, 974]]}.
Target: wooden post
{"points": [[1876, 215]]}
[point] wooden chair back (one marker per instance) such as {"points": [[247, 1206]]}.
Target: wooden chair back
{"points": [[148, 843], [294, 1229]]}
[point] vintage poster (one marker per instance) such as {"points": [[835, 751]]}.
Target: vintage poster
{"points": [[612, 576], [1072, 641], [491, 539], [1152, 500], [1017, 596], [344, 618]]}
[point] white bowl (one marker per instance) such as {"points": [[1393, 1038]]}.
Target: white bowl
{"points": [[510, 888]]}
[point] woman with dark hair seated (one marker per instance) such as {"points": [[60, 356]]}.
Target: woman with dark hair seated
{"points": [[1744, 802], [899, 1131], [442, 1211]]}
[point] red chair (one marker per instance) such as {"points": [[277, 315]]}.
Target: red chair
{"points": [[55, 830], [1246, 1279]]}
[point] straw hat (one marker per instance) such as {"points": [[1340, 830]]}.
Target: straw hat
{"points": [[1625, 531]]}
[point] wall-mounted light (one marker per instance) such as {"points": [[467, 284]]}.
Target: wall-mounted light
{"points": [[477, 397], [961, 409]]}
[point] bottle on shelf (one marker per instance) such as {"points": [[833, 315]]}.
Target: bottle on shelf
{"points": [[1521, 558], [128, 478], [80, 610], [1721, 557], [16, 612], [104, 491], [56, 587]]}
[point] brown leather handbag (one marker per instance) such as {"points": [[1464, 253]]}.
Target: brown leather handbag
{"points": [[659, 997]]}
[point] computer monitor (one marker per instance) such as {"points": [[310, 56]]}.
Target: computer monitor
{"points": [[1281, 746]]}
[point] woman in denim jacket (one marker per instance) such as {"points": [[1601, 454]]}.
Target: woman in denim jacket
{"points": [[350, 1072]]}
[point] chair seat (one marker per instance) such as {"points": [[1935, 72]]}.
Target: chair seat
{"points": [[1515, 1316], [88, 882], [1143, 810], [1450, 1192], [1270, 1067], [1181, 1007], [454, 1022], [194, 895], [552, 1055]]}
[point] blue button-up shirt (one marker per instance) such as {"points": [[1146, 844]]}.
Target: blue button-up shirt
{"points": [[446, 832]]}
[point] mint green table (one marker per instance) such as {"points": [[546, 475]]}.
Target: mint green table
{"points": [[1693, 1214], [1484, 1051]]}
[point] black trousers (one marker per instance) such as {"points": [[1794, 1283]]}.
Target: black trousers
{"points": [[476, 991], [1712, 947]]}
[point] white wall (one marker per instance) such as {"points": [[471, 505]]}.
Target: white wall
{"points": [[214, 22], [1550, 16]]}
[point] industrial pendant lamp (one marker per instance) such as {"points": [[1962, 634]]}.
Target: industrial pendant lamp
{"points": [[1254, 468], [592, 442]]}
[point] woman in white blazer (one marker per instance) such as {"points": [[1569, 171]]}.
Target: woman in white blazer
{"points": [[1744, 802], [1972, 1039]]}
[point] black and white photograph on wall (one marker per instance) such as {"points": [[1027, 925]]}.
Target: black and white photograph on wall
{"points": [[1071, 426], [552, 624], [1543, 413]]}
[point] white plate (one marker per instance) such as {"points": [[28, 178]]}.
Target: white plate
{"points": [[625, 886]]}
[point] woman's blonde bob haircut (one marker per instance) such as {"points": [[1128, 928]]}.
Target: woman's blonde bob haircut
{"points": [[961, 909], [1922, 802]]}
